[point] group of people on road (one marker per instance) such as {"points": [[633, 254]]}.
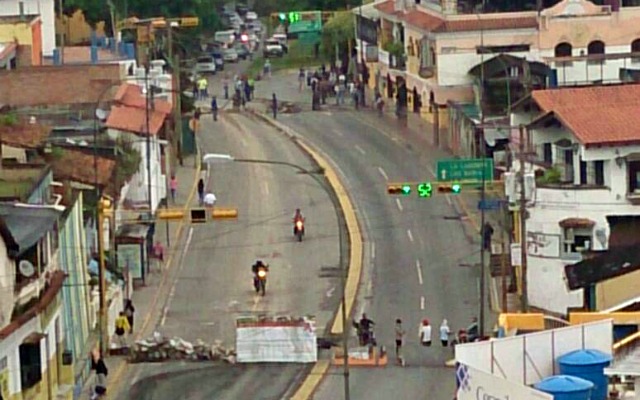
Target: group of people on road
{"points": [[332, 82], [425, 333]]}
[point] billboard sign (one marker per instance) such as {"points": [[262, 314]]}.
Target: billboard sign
{"points": [[366, 30], [473, 384]]}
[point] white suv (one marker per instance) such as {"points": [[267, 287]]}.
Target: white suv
{"points": [[206, 65]]}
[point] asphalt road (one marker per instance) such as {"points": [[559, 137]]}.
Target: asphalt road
{"points": [[214, 281], [414, 248]]}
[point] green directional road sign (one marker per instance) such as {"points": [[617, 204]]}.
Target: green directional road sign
{"points": [[465, 170]]}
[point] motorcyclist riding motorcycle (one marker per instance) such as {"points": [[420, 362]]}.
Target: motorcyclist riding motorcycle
{"points": [[260, 270], [298, 224]]}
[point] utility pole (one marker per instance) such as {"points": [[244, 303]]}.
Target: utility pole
{"points": [[483, 271], [177, 109], [102, 283], [64, 31], [148, 108], [364, 65], [523, 224]]}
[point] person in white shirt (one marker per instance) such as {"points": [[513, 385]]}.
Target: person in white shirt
{"points": [[425, 333], [209, 200], [444, 333]]}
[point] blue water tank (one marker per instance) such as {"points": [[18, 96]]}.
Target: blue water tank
{"points": [[589, 365], [565, 387], [56, 56]]}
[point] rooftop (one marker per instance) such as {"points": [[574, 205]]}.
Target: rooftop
{"points": [[432, 22], [23, 134], [28, 223], [595, 122], [133, 119], [18, 181], [132, 96], [613, 263], [78, 166]]}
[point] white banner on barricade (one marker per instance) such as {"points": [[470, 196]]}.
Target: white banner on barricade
{"points": [[276, 340], [473, 384]]}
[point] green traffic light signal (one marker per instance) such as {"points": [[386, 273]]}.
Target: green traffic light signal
{"points": [[456, 188], [425, 189], [406, 190], [282, 16]]}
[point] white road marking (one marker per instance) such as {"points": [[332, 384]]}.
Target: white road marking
{"points": [[422, 302], [173, 287], [265, 186], [330, 292], [244, 142], [410, 235], [399, 204], [208, 323], [384, 174], [337, 132], [360, 149], [419, 268], [431, 171], [373, 250], [449, 199], [256, 301]]}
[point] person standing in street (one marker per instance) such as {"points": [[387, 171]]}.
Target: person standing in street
{"points": [[129, 311], [425, 333], [274, 106], [214, 108], [301, 79], [98, 365], [400, 333], [225, 85], [445, 331], [201, 190], [122, 327], [173, 185]]}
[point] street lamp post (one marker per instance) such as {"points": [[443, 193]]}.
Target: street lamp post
{"points": [[223, 158]]}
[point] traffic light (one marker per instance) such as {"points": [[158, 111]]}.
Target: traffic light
{"points": [[198, 215], [294, 16], [170, 214], [425, 189], [454, 188], [282, 17], [399, 189], [224, 213]]}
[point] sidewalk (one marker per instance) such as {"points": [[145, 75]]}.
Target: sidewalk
{"points": [[147, 299]]}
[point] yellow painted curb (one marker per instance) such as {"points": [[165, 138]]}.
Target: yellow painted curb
{"points": [[116, 376], [312, 381], [355, 237]]}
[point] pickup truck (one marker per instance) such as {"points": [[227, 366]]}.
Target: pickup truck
{"points": [[273, 48]]}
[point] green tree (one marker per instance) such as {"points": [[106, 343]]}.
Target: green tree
{"points": [[336, 35]]}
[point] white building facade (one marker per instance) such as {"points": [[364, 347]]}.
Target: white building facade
{"points": [[596, 177]]}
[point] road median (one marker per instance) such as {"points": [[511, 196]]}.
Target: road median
{"points": [[352, 283]]}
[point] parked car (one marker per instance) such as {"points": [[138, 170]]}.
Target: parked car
{"points": [[282, 39], [205, 65], [230, 55], [250, 16], [273, 48], [242, 50], [218, 58]]}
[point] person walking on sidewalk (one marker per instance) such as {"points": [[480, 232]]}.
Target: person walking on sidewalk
{"points": [[214, 108], [400, 333], [274, 106], [225, 86], [98, 365], [173, 185], [445, 331], [201, 191], [122, 327], [129, 311], [301, 79]]}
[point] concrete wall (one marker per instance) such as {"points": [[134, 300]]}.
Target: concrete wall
{"points": [[28, 36], [77, 30], [7, 284]]}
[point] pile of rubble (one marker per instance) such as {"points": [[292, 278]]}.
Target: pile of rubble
{"points": [[160, 348]]}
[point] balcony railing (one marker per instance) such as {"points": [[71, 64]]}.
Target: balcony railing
{"points": [[383, 57]]}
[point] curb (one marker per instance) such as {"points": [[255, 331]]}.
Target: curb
{"points": [[313, 380], [117, 375]]}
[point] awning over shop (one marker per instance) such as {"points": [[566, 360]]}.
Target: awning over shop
{"points": [[491, 135], [28, 224], [33, 338], [576, 223]]}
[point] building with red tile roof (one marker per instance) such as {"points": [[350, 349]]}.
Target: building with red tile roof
{"points": [[131, 95], [134, 120]]}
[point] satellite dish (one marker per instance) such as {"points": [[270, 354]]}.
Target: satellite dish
{"points": [[101, 114], [26, 268]]}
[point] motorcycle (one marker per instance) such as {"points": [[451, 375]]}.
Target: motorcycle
{"points": [[298, 229], [260, 281]]}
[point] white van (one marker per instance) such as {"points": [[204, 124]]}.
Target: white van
{"points": [[225, 37]]}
